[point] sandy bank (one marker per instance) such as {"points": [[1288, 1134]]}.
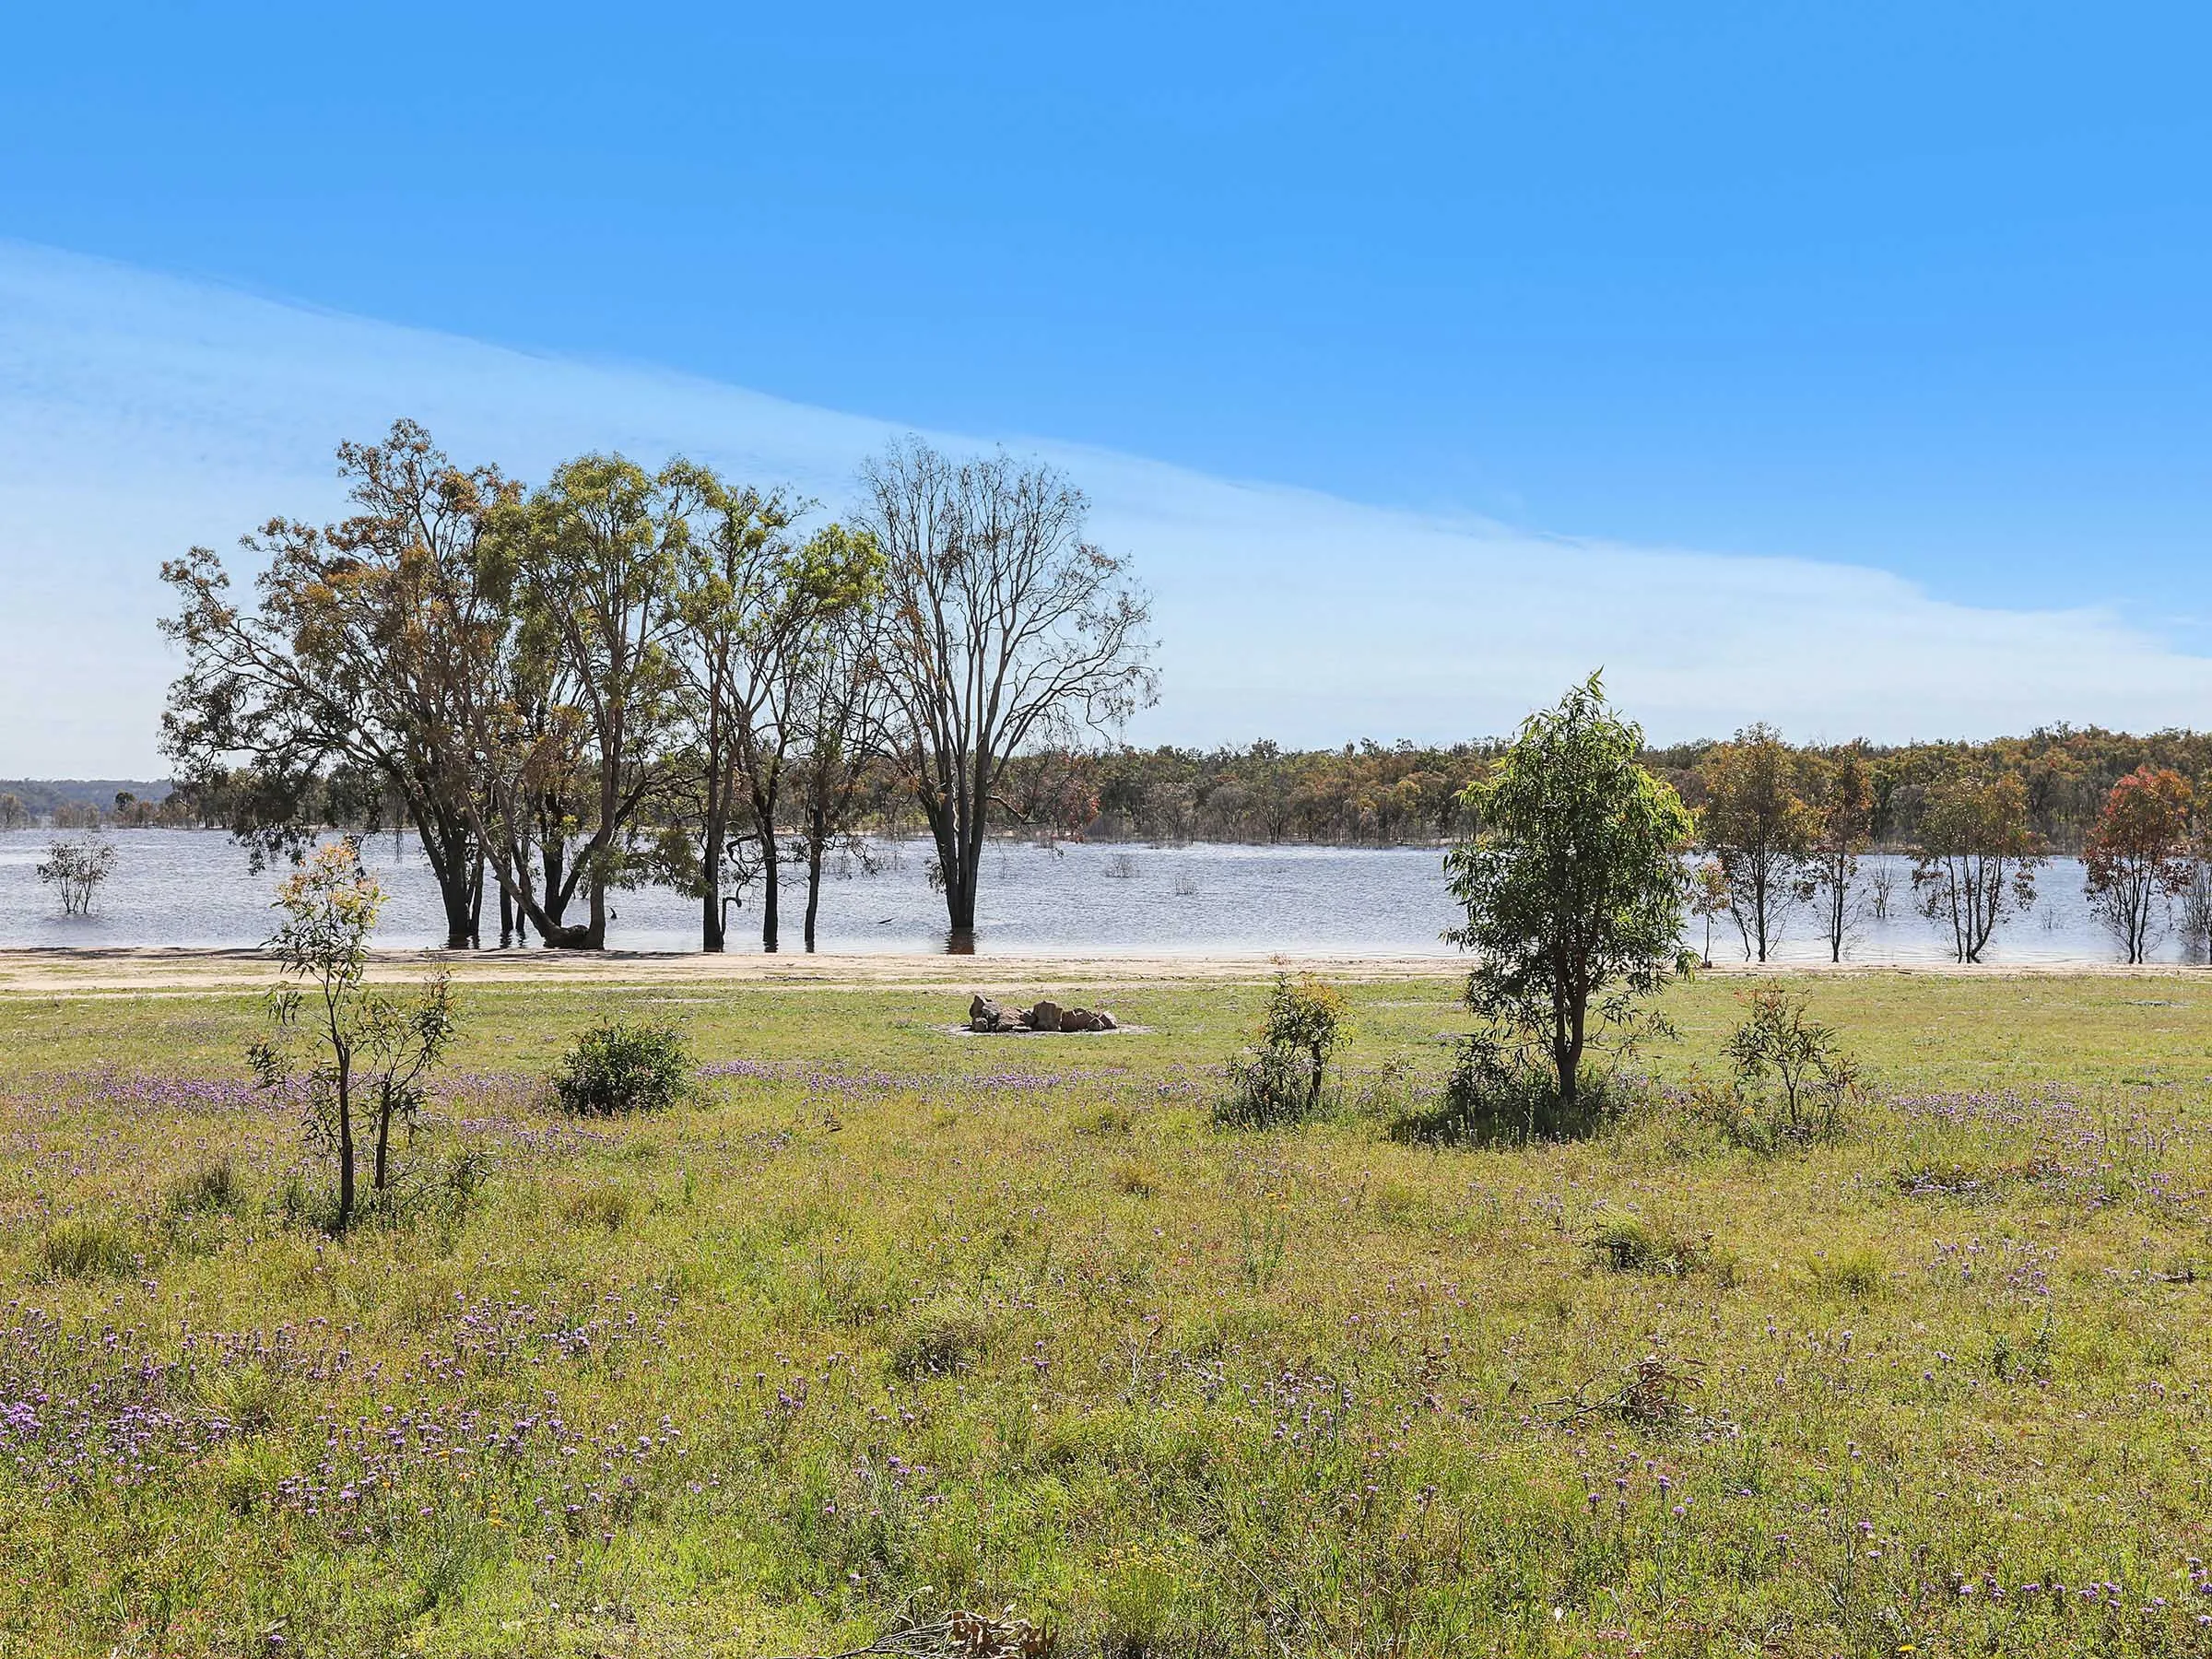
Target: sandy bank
{"points": [[141, 971]]}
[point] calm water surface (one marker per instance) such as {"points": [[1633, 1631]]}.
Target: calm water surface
{"points": [[195, 888]]}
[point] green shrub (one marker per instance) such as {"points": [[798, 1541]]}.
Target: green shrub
{"points": [[86, 1248], [1283, 1080], [1266, 1087], [618, 1066], [1794, 1081]]}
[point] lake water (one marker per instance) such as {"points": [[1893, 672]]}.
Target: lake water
{"points": [[184, 888]]}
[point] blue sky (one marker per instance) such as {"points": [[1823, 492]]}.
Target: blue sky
{"points": [[1919, 289]]}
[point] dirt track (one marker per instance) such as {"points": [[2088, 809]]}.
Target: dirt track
{"points": [[126, 972]]}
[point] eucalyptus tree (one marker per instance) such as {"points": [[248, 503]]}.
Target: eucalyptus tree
{"points": [[594, 557], [347, 671], [1975, 862], [1842, 804], [1004, 627], [1758, 824], [1573, 882], [844, 699], [753, 600], [2139, 855]]}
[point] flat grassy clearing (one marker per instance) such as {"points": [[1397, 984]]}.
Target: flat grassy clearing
{"points": [[893, 1321]]}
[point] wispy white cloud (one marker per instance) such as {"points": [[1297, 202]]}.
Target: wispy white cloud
{"points": [[140, 414]]}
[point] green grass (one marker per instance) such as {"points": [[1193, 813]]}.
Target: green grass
{"points": [[886, 1322]]}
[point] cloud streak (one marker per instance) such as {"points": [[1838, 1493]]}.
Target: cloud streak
{"points": [[140, 414]]}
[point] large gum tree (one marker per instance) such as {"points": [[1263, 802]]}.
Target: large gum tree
{"points": [[349, 661], [1004, 626]]}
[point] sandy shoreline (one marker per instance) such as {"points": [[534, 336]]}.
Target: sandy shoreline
{"points": [[87, 973]]}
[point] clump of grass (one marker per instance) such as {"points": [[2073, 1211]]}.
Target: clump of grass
{"points": [[87, 1247], [1138, 1177], [605, 1206], [212, 1187], [1859, 1274], [938, 1338], [246, 1397], [1105, 1120], [619, 1066], [1630, 1243]]}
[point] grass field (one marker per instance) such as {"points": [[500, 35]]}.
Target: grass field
{"points": [[890, 1322]]}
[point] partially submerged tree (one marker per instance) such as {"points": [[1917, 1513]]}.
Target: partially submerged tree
{"points": [[1573, 886], [755, 652], [348, 671], [593, 555], [1842, 791], [1005, 628], [2139, 855], [843, 701], [730, 611], [369, 1054], [1709, 898], [1757, 824], [1976, 861], [78, 868]]}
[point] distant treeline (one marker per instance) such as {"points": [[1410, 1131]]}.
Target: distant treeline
{"points": [[1377, 794], [1362, 795], [92, 803]]}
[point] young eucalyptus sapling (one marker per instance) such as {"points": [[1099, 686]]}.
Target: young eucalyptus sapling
{"points": [[353, 1055]]}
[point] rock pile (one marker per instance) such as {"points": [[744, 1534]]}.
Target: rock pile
{"points": [[1045, 1015]]}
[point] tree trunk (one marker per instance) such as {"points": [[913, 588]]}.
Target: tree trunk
{"points": [[446, 847], [384, 1139], [710, 935], [817, 832], [345, 1218], [772, 883], [1759, 897]]}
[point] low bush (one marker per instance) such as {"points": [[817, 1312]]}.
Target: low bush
{"points": [[1266, 1087], [618, 1065], [1283, 1081], [1795, 1082]]}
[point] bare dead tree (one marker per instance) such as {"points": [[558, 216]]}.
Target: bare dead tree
{"points": [[1006, 627]]}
